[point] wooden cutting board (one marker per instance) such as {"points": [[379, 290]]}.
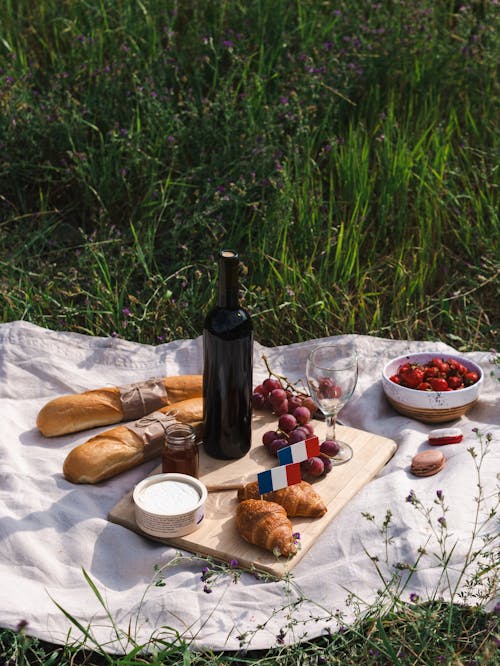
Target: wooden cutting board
{"points": [[217, 537]]}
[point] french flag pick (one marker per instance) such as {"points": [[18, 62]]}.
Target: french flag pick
{"points": [[278, 477], [296, 453]]}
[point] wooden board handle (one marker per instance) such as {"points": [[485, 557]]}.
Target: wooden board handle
{"points": [[230, 484], [219, 487]]}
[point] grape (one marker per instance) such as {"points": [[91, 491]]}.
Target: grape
{"points": [[282, 408], [270, 384], [329, 448], [268, 436], [287, 422], [313, 466], [277, 396], [328, 390], [309, 428], [310, 404], [258, 401], [302, 414], [304, 431], [276, 445], [327, 462], [294, 402], [297, 435]]}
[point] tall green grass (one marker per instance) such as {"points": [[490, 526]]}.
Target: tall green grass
{"points": [[349, 151]]}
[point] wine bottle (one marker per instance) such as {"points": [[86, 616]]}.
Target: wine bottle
{"points": [[227, 368]]}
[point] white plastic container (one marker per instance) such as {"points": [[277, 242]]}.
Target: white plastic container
{"points": [[169, 505]]}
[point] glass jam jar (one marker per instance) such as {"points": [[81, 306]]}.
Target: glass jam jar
{"points": [[180, 451]]}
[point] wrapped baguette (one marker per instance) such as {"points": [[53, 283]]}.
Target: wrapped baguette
{"points": [[126, 446], [109, 405]]}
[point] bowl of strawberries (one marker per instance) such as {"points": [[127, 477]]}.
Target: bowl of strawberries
{"points": [[432, 387]]}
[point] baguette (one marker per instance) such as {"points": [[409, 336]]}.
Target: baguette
{"points": [[110, 405], [126, 446]]}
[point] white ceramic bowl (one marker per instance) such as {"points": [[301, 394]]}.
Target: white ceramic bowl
{"points": [[169, 505], [430, 406]]}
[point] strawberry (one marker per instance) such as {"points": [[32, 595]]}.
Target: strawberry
{"points": [[412, 377], [424, 386], [430, 371], [438, 384], [455, 382], [456, 368], [470, 378], [441, 365]]}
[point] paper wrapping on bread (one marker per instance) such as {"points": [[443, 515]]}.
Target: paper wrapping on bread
{"points": [[125, 446], [113, 404], [266, 524], [299, 499]]}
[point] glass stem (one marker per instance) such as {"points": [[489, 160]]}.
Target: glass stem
{"points": [[330, 426]]}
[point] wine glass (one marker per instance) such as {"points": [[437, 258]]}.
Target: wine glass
{"points": [[332, 375]]}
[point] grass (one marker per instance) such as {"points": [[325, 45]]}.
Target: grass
{"points": [[349, 151], [350, 154], [420, 635]]}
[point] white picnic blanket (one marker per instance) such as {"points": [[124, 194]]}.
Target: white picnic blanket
{"points": [[57, 544]]}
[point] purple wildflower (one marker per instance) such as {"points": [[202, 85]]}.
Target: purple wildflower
{"points": [[22, 624], [411, 497]]}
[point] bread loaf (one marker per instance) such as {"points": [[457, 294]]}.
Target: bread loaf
{"points": [[110, 405], [126, 446]]}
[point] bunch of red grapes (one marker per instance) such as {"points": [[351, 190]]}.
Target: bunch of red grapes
{"points": [[294, 411]]}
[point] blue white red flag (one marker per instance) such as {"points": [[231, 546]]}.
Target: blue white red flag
{"points": [[296, 453], [278, 477]]}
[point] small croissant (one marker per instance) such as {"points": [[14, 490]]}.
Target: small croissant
{"points": [[299, 499], [265, 524]]}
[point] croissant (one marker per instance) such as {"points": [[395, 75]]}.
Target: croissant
{"points": [[299, 499], [265, 524]]}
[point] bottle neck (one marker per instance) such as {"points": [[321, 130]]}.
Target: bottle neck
{"points": [[228, 296]]}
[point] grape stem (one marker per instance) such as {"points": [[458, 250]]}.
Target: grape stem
{"points": [[285, 382]]}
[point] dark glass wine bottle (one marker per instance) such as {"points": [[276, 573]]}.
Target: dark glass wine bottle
{"points": [[227, 368]]}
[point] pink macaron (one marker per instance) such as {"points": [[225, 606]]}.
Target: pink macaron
{"points": [[428, 462]]}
